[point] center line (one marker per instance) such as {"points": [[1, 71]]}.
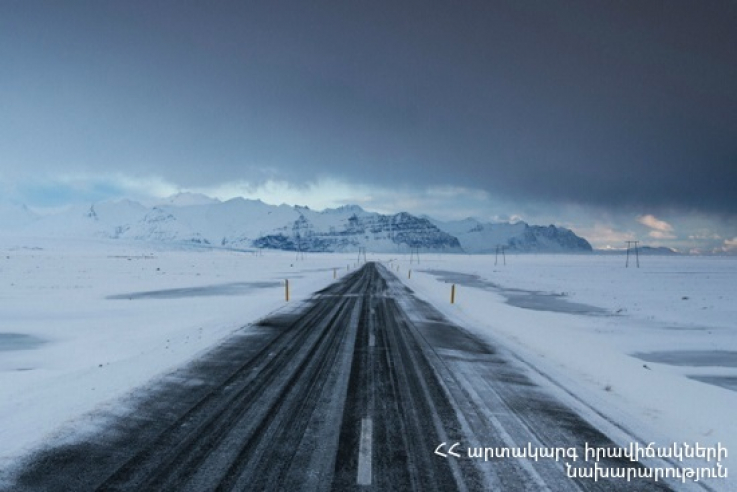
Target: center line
{"points": [[364, 452]]}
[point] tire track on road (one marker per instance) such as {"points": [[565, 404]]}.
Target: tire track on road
{"points": [[354, 392]]}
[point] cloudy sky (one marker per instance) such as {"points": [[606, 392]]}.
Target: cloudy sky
{"points": [[617, 119]]}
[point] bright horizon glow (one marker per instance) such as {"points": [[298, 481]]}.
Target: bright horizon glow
{"points": [[695, 235]]}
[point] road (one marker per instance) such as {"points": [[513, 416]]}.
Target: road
{"points": [[355, 391]]}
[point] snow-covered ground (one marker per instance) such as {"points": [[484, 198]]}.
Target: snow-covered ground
{"points": [[83, 323], [653, 350]]}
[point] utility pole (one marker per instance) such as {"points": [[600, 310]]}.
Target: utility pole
{"points": [[632, 245], [500, 249], [300, 253], [414, 253]]}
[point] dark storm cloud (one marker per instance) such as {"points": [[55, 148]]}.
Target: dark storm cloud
{"points": [[624, 104]]}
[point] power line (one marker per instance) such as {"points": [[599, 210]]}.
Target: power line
{"points": [[637, 253]]}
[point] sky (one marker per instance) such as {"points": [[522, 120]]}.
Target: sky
{"points": [[616, 119]]}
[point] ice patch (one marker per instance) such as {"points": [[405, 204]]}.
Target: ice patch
{"points": [[693, 358], [525, 299], [18, 341], [230, 289], [727, 382]]}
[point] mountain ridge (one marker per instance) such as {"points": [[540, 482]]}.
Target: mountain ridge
{"points": [[242, 223]]}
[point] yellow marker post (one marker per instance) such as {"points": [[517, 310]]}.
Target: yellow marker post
{"points": [[409, 274], [286, 289], [453, 294], [335, 272]]}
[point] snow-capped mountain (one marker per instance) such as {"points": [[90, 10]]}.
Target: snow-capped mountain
{"points": [[99, 220], [185, 199], [243, 224], [484, 237], [13, 216], [351, 227], [642, 251]]}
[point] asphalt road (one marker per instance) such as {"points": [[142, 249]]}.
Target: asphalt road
{"points": [[355, 391]]}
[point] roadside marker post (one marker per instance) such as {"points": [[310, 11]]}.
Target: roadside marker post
{"points": [[286, 289], [335, 272], [453, 294], [409, 273]]}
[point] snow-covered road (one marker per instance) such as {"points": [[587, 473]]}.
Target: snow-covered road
{"points": [[367, 387], [645, 355]]}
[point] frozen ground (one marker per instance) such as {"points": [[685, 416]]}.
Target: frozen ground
{"points": [[83, 323], [651, 350]]}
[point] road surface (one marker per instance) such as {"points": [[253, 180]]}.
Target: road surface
{"points": [[355, 391]]}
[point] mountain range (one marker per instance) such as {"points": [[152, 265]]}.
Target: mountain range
{"points": [[245, 224]]}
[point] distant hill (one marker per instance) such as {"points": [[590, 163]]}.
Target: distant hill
{"points": [[14, 216], [642, 250], [244, 224], [484, 237]]}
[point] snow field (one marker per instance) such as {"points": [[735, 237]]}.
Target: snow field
{"points": [[68, 351], [685, 306], [82, 351]]}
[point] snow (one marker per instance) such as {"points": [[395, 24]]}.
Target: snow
{"points": [[14, 216], [478, 237], [186, 199], [243, 223], [78, 333], [681, 308], [67, 348]]}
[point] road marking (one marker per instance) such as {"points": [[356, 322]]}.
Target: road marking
{"points": [[364, 453], [372, 340]]}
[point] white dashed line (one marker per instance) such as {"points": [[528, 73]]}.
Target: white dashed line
{"points": [[364, 453]]}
